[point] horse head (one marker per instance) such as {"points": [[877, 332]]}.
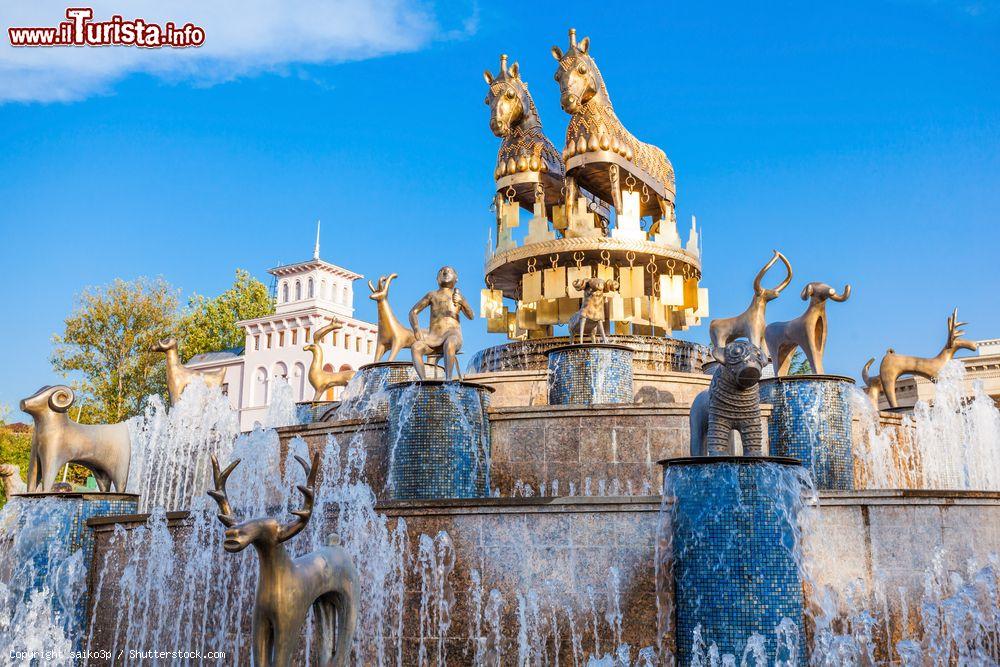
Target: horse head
{"points": [[577, 75], [509, 101]]}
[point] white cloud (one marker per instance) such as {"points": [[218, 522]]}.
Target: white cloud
{"points": [[243, 37]]}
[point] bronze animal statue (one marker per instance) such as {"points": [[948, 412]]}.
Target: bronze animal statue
{"points": [[104, 449], [320, 378], [873, 385], [751, 322], [590, 318], [392, 336], [598, 147], [731, 403], [10, 476], [894, 365], [807, 331], [324, 580], [443, 339], [180, 376], [526, 156]]}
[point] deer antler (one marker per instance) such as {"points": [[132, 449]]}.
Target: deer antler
{"points": [[371, 287], [954, 327], [290, 530], [219, 494]]}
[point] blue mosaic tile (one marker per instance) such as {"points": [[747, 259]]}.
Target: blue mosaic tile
{"points": [[590, 374], [439, 439], [811, 421]]}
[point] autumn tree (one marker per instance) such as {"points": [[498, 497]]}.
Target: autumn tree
{"points": [[209, 324], [107, 347]]}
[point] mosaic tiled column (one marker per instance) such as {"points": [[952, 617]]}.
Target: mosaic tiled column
{"points": [[590, 374], [439, 438], [40, 539], [811, 421], [732, 541]]}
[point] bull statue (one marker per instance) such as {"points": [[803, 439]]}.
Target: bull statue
{"points": [[731, 403]]}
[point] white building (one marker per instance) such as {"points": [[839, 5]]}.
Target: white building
{"points": [[308, 295]]}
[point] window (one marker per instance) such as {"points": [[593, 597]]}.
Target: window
{"points": [[295, 336], [269, 341], [225, 389], [281, 339], [344, 298], [298, 291], [281, 371], [347, 341], [322, 289], [256, 342], [357, 344], [311, 288], [284, 292], [307, 334], [260, 387], [370, 347]]}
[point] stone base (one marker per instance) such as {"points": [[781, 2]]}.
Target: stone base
{"points": [[811, 421], [439, 440], [590, 374]]}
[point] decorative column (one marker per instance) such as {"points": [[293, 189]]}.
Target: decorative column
{"points": [[590, 374], [811, 421]]}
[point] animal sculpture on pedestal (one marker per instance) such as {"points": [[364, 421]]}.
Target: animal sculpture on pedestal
{"points": [[325, 580], [10, 476], [590, 318], [731, 403], [393, 337], [751, 322], [808, 331], [443, 339], [104, 449], [873, 385], [894, 365], [320, 378], [180, 376]]}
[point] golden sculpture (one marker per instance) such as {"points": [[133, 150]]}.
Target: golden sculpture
{"points": [[895, 365], [751, 322], [873, 385], [10, 476], [104, 449], [527, 162], [324, 580], [179, 376], [443, 339], [320, 378], [392, 336], [808, 331], [598, 147], [590, 318]]}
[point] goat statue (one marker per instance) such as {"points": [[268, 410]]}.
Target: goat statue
{"points": [[894, 365], [807, 331], [10, 476], [590, 318], [750, 323], [324, 580], [392, 336], [104, 449], [180, 376], [873, 385], [731, 403], [320, 378]]}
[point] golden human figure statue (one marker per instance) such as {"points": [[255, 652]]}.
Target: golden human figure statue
{"points": [[444, 336]]}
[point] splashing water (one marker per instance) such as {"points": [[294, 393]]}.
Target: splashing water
{"points": [[281, 410]]}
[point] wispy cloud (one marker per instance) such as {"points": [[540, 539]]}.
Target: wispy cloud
{"points": [[243, 37]]}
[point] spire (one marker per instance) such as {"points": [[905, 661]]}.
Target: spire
{"points": [[316, 249]]}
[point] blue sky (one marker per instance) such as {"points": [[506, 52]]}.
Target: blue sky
{"points": [[862, 139]]}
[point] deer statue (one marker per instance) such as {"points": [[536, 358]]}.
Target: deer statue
{"points": [[104, 449], [751, 322], [894, 365], [325, 580], [873, 385], [392, 336], [526, 155], [320, 378], [596, 140], [10, 475], [807, 331], [179, 376]]}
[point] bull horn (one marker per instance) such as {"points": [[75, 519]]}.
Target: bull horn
{"points": [[841, 297]]}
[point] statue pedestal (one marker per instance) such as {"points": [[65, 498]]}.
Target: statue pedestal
{"points": [[439, 439], [811, 421], [731, 545], [590, 374], [46, 548], [364, 397]]}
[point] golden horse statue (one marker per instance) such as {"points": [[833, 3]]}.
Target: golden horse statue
{"points": [[598, 147], [526, 156]]}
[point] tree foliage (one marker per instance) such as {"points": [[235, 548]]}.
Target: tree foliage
{"points": [[799, 364], [107, 347], [210, 323]]}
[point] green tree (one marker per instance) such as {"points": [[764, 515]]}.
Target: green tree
{"points": [[210, 324], [799, 364], [107, 346]]}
